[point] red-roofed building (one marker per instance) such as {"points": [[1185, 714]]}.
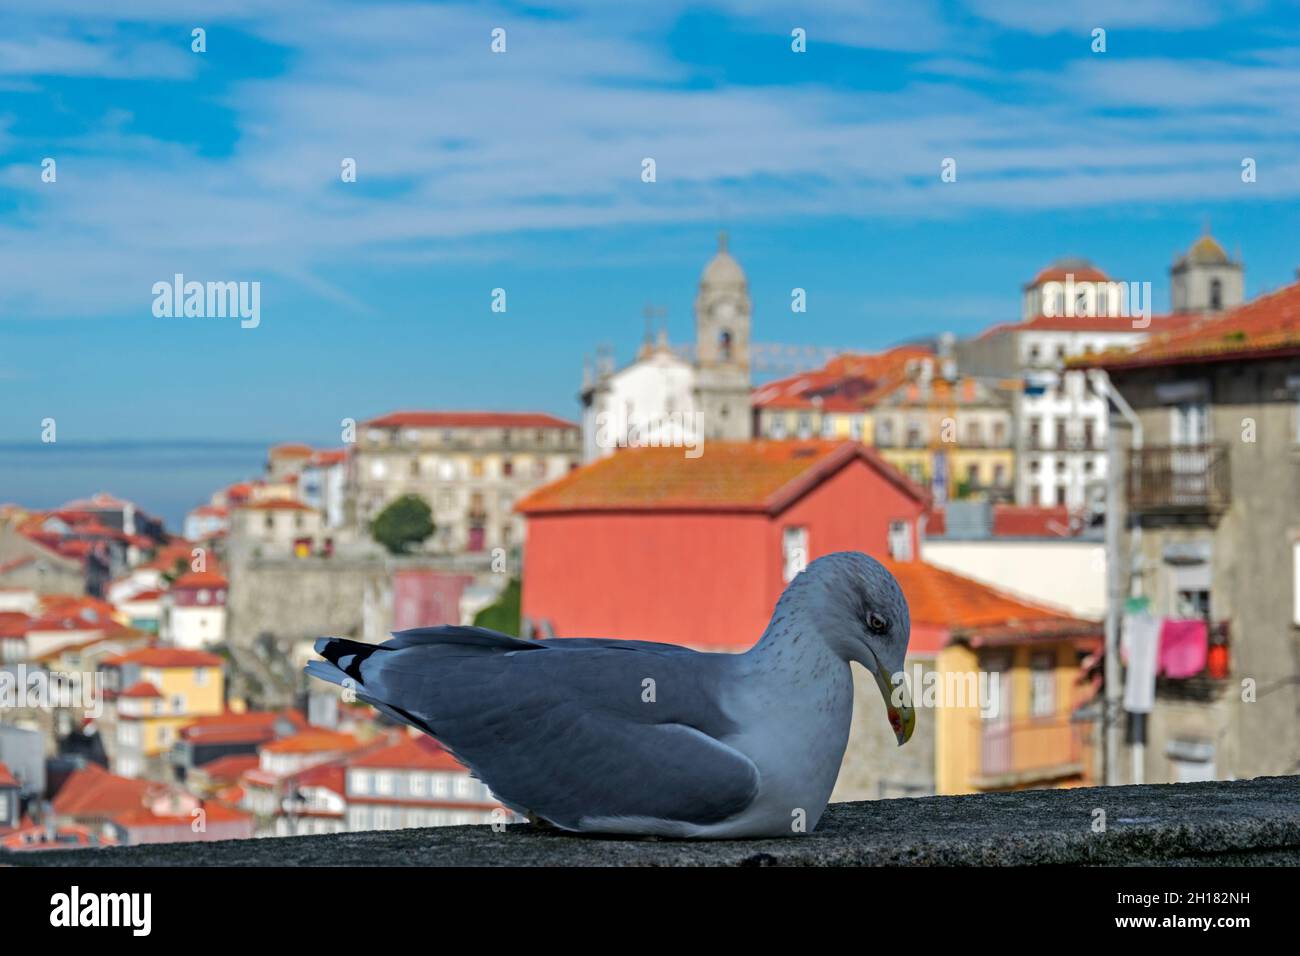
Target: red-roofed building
{"points": [[1071, 310], [230, 735], [414, 782], [277, 526], [323, 484], [160, 691], [998, 683], [830, 402], [607, 542], [210, 821], [207, 522], [1211, 516], [469, 467], [194, 610]]}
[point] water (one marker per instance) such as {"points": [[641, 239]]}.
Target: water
{"points": [[165, 478]]}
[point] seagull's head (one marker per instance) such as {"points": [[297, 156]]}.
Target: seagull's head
{"points": [[868, 623]]}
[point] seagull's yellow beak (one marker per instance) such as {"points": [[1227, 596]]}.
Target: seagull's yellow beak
{"points": [[898, 704]]}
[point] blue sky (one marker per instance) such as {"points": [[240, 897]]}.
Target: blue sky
{"points": [[522, 171]]}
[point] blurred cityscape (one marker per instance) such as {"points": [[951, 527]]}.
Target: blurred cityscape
{"points": [[1094, 514]]}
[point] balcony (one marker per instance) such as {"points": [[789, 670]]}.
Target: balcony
{"points": [[1179, 479], [1018, 752]]}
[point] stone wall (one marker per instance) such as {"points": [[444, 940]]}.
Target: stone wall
{"points": [[1239, 822]]}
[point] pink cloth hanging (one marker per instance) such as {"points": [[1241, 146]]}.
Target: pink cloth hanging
{"points": [[1183, 648]]}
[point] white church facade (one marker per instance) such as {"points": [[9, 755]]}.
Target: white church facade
{"points": [[674, 396]]}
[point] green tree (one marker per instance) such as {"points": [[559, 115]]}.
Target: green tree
{"points": [[502, 616], [406, 521]]}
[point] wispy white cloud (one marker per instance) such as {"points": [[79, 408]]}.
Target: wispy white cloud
{"points": [[551, 135]]}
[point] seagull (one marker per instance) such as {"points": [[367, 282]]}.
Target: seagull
{"points": [[650, 739]]}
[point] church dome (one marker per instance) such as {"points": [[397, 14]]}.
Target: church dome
{"points": [[722, 269], [1207, 251]]}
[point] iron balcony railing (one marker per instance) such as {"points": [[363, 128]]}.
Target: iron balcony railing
{"points": [[1179, 478]]}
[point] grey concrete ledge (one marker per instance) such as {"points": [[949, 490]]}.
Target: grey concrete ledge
{"points": [[1246, 822]]}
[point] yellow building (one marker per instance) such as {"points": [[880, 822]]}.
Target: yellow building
{"points": [[158, 691], [1001, 688], [946, 431], [943, 430]]}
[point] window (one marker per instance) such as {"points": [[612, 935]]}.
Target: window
{"points": [[914, 439], [828, 426], [1060, 494], [415, 468], [974, 434], [999, 474], [856, 427], [999, 434], [724, 345], [507, 467], [776, 426], [1042, 685], [200, 677], [476, 468], [885, 432], [1035, 432], [178, 703], [794, 552], [361, 782], [384, 783], [1216, 295], [419, 784], [462, 786], [900, 540], [805, 425]]}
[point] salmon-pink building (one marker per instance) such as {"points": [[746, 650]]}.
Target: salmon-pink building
{"points": [[649, 544]]}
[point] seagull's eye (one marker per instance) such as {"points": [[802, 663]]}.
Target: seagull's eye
{"points": [[877, 623]]}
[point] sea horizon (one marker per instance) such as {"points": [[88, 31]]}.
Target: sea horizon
{"points": [[164, 476]]}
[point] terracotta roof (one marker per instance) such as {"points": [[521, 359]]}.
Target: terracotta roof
{"points": [[413, 753], [142, 689], [839, 385], [251, 727], [6, 778], [152, 594], [277, 504], [329, 456], [14, 624], [200, 579], [764, 476], [94, 792], [468, 420], [166, 657], [312, 741], [228, 769], [291, 450], [1081, 269], [100, 501], [1092, 323], [213, 813], [1017, 521], [330, 776], [217, 511], [945, 606], [1268, 326]]}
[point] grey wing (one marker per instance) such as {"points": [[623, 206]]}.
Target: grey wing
{"points": [[572, 734]]}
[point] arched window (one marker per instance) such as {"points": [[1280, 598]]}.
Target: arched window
{"points": [[1216, 294], [724, 345]]}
